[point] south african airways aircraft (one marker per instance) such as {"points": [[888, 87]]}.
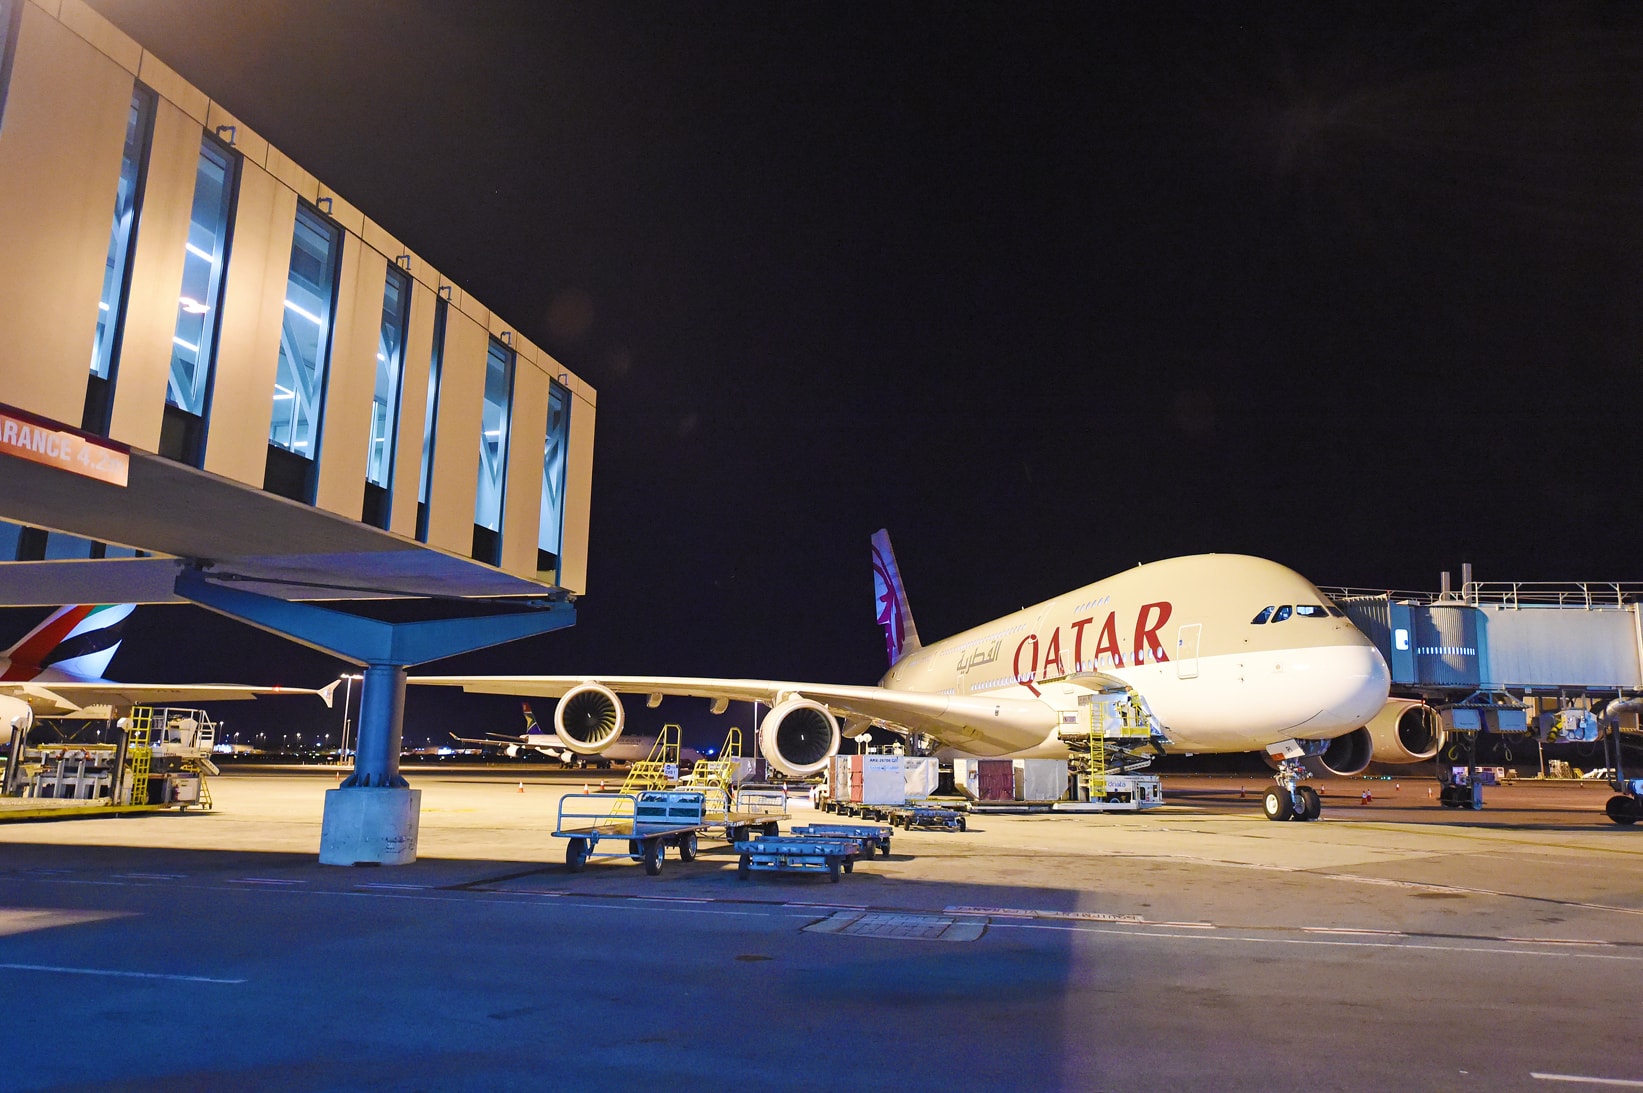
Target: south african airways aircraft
{"points": [[1222, 652]]}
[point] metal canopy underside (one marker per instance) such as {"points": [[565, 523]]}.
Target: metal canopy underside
{"points": [[168, 508]]}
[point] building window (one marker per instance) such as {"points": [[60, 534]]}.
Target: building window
{"points": [[493, 453], [430, 418], [305, 345], [10, 12], [117, 268], [379, 461], [188, 392], [551, 524]]}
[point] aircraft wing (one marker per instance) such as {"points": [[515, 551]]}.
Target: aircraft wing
{"points": [[949, 718], [63, 697]]}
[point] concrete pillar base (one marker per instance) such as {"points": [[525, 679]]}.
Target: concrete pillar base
{"points": [[370, 826]]}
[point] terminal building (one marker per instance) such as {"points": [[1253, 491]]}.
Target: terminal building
{"points": [[221, 380]]}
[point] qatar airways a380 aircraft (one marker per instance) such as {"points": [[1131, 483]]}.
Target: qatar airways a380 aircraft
{"points": [[1222, 652]]}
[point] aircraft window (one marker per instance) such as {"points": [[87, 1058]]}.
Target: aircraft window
{"points": [[1311, 611], [1283, 613], [1337, 612], [1259, 620]]}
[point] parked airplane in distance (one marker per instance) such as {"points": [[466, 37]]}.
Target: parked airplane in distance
{"points": [[628, 749], [1222, 653], [55, 671]]}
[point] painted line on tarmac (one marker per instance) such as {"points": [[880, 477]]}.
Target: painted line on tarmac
{"points": [[151, 876], [117, 974], [1626, 1083], [1403, 943], [278, 881]]}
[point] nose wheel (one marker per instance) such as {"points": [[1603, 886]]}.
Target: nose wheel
{"points": [[1288, 800]]}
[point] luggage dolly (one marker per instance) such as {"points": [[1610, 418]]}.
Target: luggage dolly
{"points": [[646, 823], [797, 854], [869, 835], [941, 819]]}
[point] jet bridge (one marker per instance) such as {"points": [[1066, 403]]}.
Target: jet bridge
{"points": [[1512, 657], [222, 383]]}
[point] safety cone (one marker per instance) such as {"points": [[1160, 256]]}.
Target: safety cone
{"points": [[521, 787], [585, 788], [1240, 793], [1366, 797], [601, 785]]}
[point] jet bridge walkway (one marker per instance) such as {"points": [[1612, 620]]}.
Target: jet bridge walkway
{"points": [[1516, 658]]}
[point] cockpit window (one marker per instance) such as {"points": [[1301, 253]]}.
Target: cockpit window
{"points": [[1260, 620], [1311, 611], [1283, 613]]}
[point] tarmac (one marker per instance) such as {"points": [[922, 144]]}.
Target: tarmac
{"points": [[1391, 945]]}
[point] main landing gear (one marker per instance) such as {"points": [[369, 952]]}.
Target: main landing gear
{"points": [[1289, 800]]}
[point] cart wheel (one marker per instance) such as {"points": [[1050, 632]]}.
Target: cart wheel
{"points": [[849, 865], [1623, 810], [735, 834], [773, 828], [654, 855], [576, 855], [884, 849], [744, 868], [687, 846], [833, 870], [961, 823]]}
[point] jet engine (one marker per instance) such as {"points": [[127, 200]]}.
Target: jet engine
{"points": [[1406, 730], [588, 718], [798, 737], [1344, 756]]}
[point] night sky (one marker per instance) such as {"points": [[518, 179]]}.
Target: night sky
{"points": [[1047, 291]]}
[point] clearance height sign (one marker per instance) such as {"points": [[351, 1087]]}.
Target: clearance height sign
{"points": [[40, 441]]}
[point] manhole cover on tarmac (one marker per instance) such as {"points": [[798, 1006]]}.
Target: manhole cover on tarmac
{"points": [[905, 927]]}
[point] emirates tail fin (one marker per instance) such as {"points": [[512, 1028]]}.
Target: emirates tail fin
{"points": [[79, 639], [890, 600]]}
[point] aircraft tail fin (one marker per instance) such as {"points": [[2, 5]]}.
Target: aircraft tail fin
{"points": [[531, 727], [79, 639], [890, 600]]}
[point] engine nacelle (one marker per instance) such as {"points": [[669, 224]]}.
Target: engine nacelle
{"points": [[1344, 756], [1406, 730], [588, 718], [14, 714], [798, 737]]}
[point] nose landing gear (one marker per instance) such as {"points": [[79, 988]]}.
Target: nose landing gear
{"points": [[1289, 800]]}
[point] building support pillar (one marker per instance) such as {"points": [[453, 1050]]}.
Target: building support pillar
{"points": [[372, 817]]}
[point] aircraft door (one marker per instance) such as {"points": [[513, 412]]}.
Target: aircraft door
{"points": [[1186, 650]]}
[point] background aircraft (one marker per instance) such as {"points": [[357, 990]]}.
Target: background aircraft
{"points": [[55, 671], [629, 748], [1222, 653]]}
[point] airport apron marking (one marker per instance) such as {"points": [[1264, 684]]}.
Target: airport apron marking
{"points": [[117, 974]]}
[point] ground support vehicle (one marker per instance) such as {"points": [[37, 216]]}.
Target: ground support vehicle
{"points": [[904, 816], [928, 818], [754, 809], [645, 824], [870, 836], [797, 854]]}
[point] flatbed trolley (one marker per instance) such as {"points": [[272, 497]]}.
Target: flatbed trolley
{"points": [[941, 819], [645, 823], [870, 836], [755, 809], [797, 854]]}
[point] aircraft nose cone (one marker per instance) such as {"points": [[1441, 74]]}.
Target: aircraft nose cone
{"points": [[1363, 682]]}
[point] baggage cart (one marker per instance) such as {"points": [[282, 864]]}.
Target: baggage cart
{"points": [[870, 836], [645, 824], [797, 854]]}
